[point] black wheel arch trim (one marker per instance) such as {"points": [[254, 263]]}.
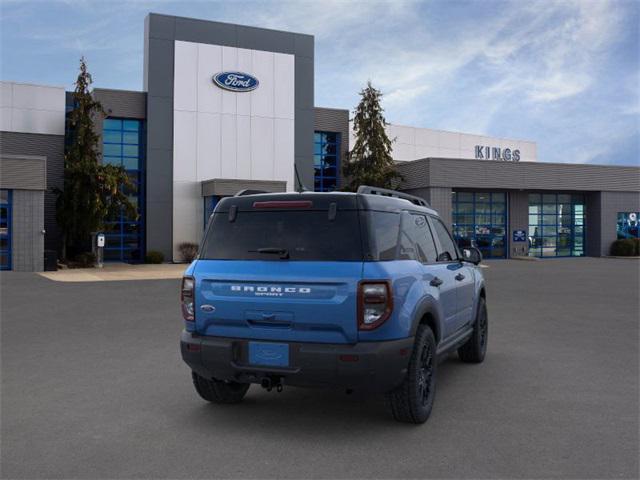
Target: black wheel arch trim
{"points": [[428, 307]]}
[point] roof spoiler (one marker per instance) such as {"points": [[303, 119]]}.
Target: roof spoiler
{"points": [[249, 191], [385, 192]]}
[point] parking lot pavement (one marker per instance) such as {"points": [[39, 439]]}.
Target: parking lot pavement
{"points": [[93, 387]]}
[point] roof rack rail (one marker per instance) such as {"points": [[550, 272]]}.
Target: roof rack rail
{"points": [[248, 191], [385, 192]]}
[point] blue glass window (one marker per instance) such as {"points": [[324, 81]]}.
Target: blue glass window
{"points": [[5, 229], [209, 205], [123, 145], [556, 225], [479, 219], [326, 161]]}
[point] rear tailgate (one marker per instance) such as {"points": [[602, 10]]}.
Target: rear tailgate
{"points": [[298, 301]]}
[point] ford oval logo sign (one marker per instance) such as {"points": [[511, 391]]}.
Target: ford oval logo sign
{"points": [[236, 81]]}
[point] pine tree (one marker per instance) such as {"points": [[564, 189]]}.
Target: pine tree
{"points": [[370, 161], [92, 191]]}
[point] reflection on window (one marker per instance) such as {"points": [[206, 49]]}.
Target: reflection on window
{"points": [[326, 161], [627, 225], [123, 145], [556, 225], [479, 219]]}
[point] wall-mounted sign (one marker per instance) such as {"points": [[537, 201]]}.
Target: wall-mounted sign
{"points": [[496, 153], [236, 81], [628, 225], [519, 236]]}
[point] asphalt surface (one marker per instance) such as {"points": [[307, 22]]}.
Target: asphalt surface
{"points": [[93, 387]]}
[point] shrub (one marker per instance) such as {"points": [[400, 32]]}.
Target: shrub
{"points": [[627, 247], [85, 260], [153, 256], [188, 251]]}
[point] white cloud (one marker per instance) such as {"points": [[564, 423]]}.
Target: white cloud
{"points": [[458, 66]]}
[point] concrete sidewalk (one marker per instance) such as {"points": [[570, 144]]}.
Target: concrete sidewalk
{"points": [[118, 272]]}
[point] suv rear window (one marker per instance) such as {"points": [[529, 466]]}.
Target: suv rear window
{"points": [[304, 235]]}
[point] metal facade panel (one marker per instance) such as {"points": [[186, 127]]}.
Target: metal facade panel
{"points": [[439, 199], [35, 109], [489, 174], [518, 219], [413, 143], [122, 103], [593, 227], [610, 204], [415, 175], [27, 239], [23, 172], [51, 147], [227, 186]]}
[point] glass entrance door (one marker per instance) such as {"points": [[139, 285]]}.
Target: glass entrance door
{"points": [[479, 219], [556, 225], [5, 229]]}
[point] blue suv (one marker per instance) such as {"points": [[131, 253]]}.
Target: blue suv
{"points": [[361, 290]]}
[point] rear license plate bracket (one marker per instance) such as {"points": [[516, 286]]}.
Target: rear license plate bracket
{"points": [[269, 354]]}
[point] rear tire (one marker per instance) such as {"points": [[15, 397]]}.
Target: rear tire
{"points": [[218, 391], [475, 349], [412, 401]]}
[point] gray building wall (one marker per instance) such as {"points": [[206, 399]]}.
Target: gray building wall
{"points": [[161, 32], [122, 103], [608, 190], [497, 175], [52, 148], [439, 198], [518, 219], [27, 240], [227, 186], [601, 224], [593, 227], [334, 120], [26, 177]]}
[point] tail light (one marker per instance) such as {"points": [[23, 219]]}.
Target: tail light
{"points": [[375, 303], [186, 298]]}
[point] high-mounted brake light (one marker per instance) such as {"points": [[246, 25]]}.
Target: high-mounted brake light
{"points": [[375, 303], [284, 204], [187, 298]]}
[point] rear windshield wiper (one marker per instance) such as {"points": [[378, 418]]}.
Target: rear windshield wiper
{"points": [[283, 252]]}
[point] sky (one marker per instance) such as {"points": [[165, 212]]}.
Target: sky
{"points": [[565, 74]]}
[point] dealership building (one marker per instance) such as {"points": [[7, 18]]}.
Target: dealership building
{"points": [[228, 107]]}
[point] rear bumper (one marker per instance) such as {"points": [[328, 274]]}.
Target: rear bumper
{"points": [[370, 366]]}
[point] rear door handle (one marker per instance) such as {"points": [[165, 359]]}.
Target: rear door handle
{"points": [[459, 277], [436, 282]]}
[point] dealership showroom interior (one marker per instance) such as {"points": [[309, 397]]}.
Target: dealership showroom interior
{"points": [[207, 207]]}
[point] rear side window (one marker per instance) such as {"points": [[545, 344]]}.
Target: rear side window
{"points": [[384, 230], [395, 236], [304, 235], [416, 229], [448, 250]]}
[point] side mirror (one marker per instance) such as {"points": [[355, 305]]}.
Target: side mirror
{"points": [[472, 254]]}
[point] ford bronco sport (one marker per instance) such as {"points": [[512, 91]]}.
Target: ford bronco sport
{"points": [[359, 290]]}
